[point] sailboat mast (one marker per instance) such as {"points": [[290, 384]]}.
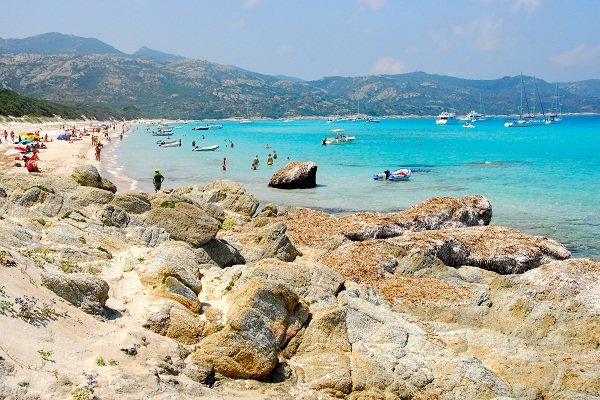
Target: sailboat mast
{"points": [[525, 93], [539, 98]]}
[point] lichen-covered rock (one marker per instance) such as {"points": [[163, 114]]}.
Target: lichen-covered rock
{"points": [[271, 242], [89, 292], [172, 259], [312, 281], [176, 322], [219, 252], [295, 175], [499, 249], [132, 203], [219, 195], [317, 229], [114, 216], [262, 317], [184, 222], [576, 278], [87, 175]]}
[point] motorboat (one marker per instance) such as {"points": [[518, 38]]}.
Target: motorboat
{"points": [[401, 174], [338, 139], [206, 148], [468, 125], [339, 130], [446, 118], [163, 133], [161, 142], [207, 127], [176, 143]]}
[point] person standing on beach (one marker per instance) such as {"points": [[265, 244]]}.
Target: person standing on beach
{"points": [[157, 179], [224, 164]]}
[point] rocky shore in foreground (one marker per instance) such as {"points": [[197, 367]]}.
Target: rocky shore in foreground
{"points": [[198, 293]]}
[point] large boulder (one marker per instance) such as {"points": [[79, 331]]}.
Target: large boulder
{"points": [[88, 292], [132, 203], [498, 249], [313, 281], [114, 216], [184, 221], [87, 175], [262, 318], [173, 320], [295, 175], [271, 242]]}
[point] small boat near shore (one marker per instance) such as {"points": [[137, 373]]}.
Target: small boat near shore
{"points": [[468, 125], [206, 148], [401, 174], [161, 142], [339, 130], [176, 143], [338, 140]]}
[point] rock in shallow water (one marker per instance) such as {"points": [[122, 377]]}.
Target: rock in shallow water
{"points": [[295, 175]]}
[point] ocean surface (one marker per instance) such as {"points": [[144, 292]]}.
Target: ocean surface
{"points": [[543, 180]]}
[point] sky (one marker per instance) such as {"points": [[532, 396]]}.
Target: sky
{"points": [[555, 40]]}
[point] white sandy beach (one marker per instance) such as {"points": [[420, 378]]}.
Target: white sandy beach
{"points": [[61, 155]]}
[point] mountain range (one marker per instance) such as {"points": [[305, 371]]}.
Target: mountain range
{"points": [[73, 69]]}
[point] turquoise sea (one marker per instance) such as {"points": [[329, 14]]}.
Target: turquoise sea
{"points": [[543, 180]]}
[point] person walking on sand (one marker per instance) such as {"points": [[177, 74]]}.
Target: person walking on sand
{"points": [[224, 164], [157, 179]]}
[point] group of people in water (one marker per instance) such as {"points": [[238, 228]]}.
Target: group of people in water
{"points": [[270, 158]]}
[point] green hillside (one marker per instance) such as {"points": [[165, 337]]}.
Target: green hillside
{"points": [[14, 105]]}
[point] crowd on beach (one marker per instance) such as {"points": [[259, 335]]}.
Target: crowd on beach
{"points": [[23, 148]]}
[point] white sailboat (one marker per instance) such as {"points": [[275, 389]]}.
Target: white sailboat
{"points": [[556, 116], [527, 120], [246, 120]]}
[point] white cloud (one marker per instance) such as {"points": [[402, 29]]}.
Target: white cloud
{"points": [[387, 65], [486, 33], [373, 4], [283, 49], [529, 6], [253, 3], [579, 55]]}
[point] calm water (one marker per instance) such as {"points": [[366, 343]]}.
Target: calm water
{"points": [[543, 180]]}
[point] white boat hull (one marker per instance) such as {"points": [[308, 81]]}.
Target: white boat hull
{"points": [[206, 148], [340, 140]]}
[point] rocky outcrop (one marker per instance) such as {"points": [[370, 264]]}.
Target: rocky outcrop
{"points": [[295, 175], [87, 175], [229, 195], [262, 318], [577, 278], [132, 203], [313, 281], [114, 216], [317, 229], [503, 250], [176, 322], [86, 291], [183, 221], [270, 242]]}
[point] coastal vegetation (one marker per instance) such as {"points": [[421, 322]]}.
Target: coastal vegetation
{"points": [[13, 104]]}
